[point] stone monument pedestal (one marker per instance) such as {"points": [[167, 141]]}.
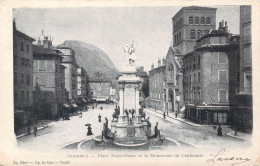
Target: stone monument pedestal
{"points": [[130, 131]]}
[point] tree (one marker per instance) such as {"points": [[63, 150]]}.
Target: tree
{"points": [[145, 88]]}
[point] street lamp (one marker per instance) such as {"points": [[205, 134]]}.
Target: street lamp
{"points": [[178, 101]]}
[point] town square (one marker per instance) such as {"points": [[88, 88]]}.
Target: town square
{"points": [[179, 79]]}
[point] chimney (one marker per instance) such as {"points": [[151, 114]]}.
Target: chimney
{"points": [[45, 42], [152, 67], [159, 62], [226, 27], [39, 42]]}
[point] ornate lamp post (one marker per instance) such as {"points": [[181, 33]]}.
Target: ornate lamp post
{"points": [[178, 101]]}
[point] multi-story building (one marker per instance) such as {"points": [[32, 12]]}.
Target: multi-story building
{"points": [[144, 86], [157, 86], [82, 82], [188, 25], [207, 78], [99, 88], [243, 112], [48, 79], [174, 77], [23, 74], [69, 62]]}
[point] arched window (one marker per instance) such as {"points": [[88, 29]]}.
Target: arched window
{"points": [[208, 20], [199, 33], [180, 22], [202, 20], [197, 21], [179, 36], [192, 34], [191, 20], [175, 40]]}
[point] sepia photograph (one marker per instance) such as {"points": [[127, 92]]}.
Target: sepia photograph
{"points": [[130, 82]]}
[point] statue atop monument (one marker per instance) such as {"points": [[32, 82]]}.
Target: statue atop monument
{"points": [[129, 54]]}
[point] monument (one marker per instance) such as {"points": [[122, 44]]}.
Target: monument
{"points": [[129, 129]]}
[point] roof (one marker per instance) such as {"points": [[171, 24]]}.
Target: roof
{"points": [[214, 33], [38, 50], [224, 47], [63, 47], [22, 35], [141, 74], [157, 70], [193, 8], [175, 50]]}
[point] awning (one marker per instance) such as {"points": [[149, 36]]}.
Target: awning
{"points": [[210, 108], [74, 105], [66, 105]]}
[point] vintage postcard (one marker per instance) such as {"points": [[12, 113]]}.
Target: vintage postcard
{"points": [[120, 82]]}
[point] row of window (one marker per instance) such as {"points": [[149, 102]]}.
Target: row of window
{"points": [[157, 95], [198, 20], [177, 38], [189, 79], [156, 84], [222, 77], [178, 24], [192, 20], [24, 61], [24, 79], [196, 96], [21, 95], [23, 47]]}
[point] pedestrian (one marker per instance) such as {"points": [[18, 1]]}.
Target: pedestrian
{"points": [[133, 111], [164, 115], [99, 118], [219, 131], [89, 131], [29, 130], [101, 108], [93, 106], [80, 114], [35, 131]]}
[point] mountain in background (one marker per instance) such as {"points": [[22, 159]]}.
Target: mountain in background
{"points": [[92, 59]]}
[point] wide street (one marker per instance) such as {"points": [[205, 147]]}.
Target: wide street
{"points": [[65, 132]]}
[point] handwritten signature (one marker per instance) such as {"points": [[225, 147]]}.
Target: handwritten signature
{"points": [[217, 158]]}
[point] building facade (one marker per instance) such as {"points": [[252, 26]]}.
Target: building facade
{"points": [[206, 77], [82, 82], [99, 88], [69, 62], [174, 77], [189, 24], [157, 87], [23, 75], [243, 111], [48, 80]]}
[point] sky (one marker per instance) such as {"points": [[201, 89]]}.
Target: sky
{"points": [[109, 27]]}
